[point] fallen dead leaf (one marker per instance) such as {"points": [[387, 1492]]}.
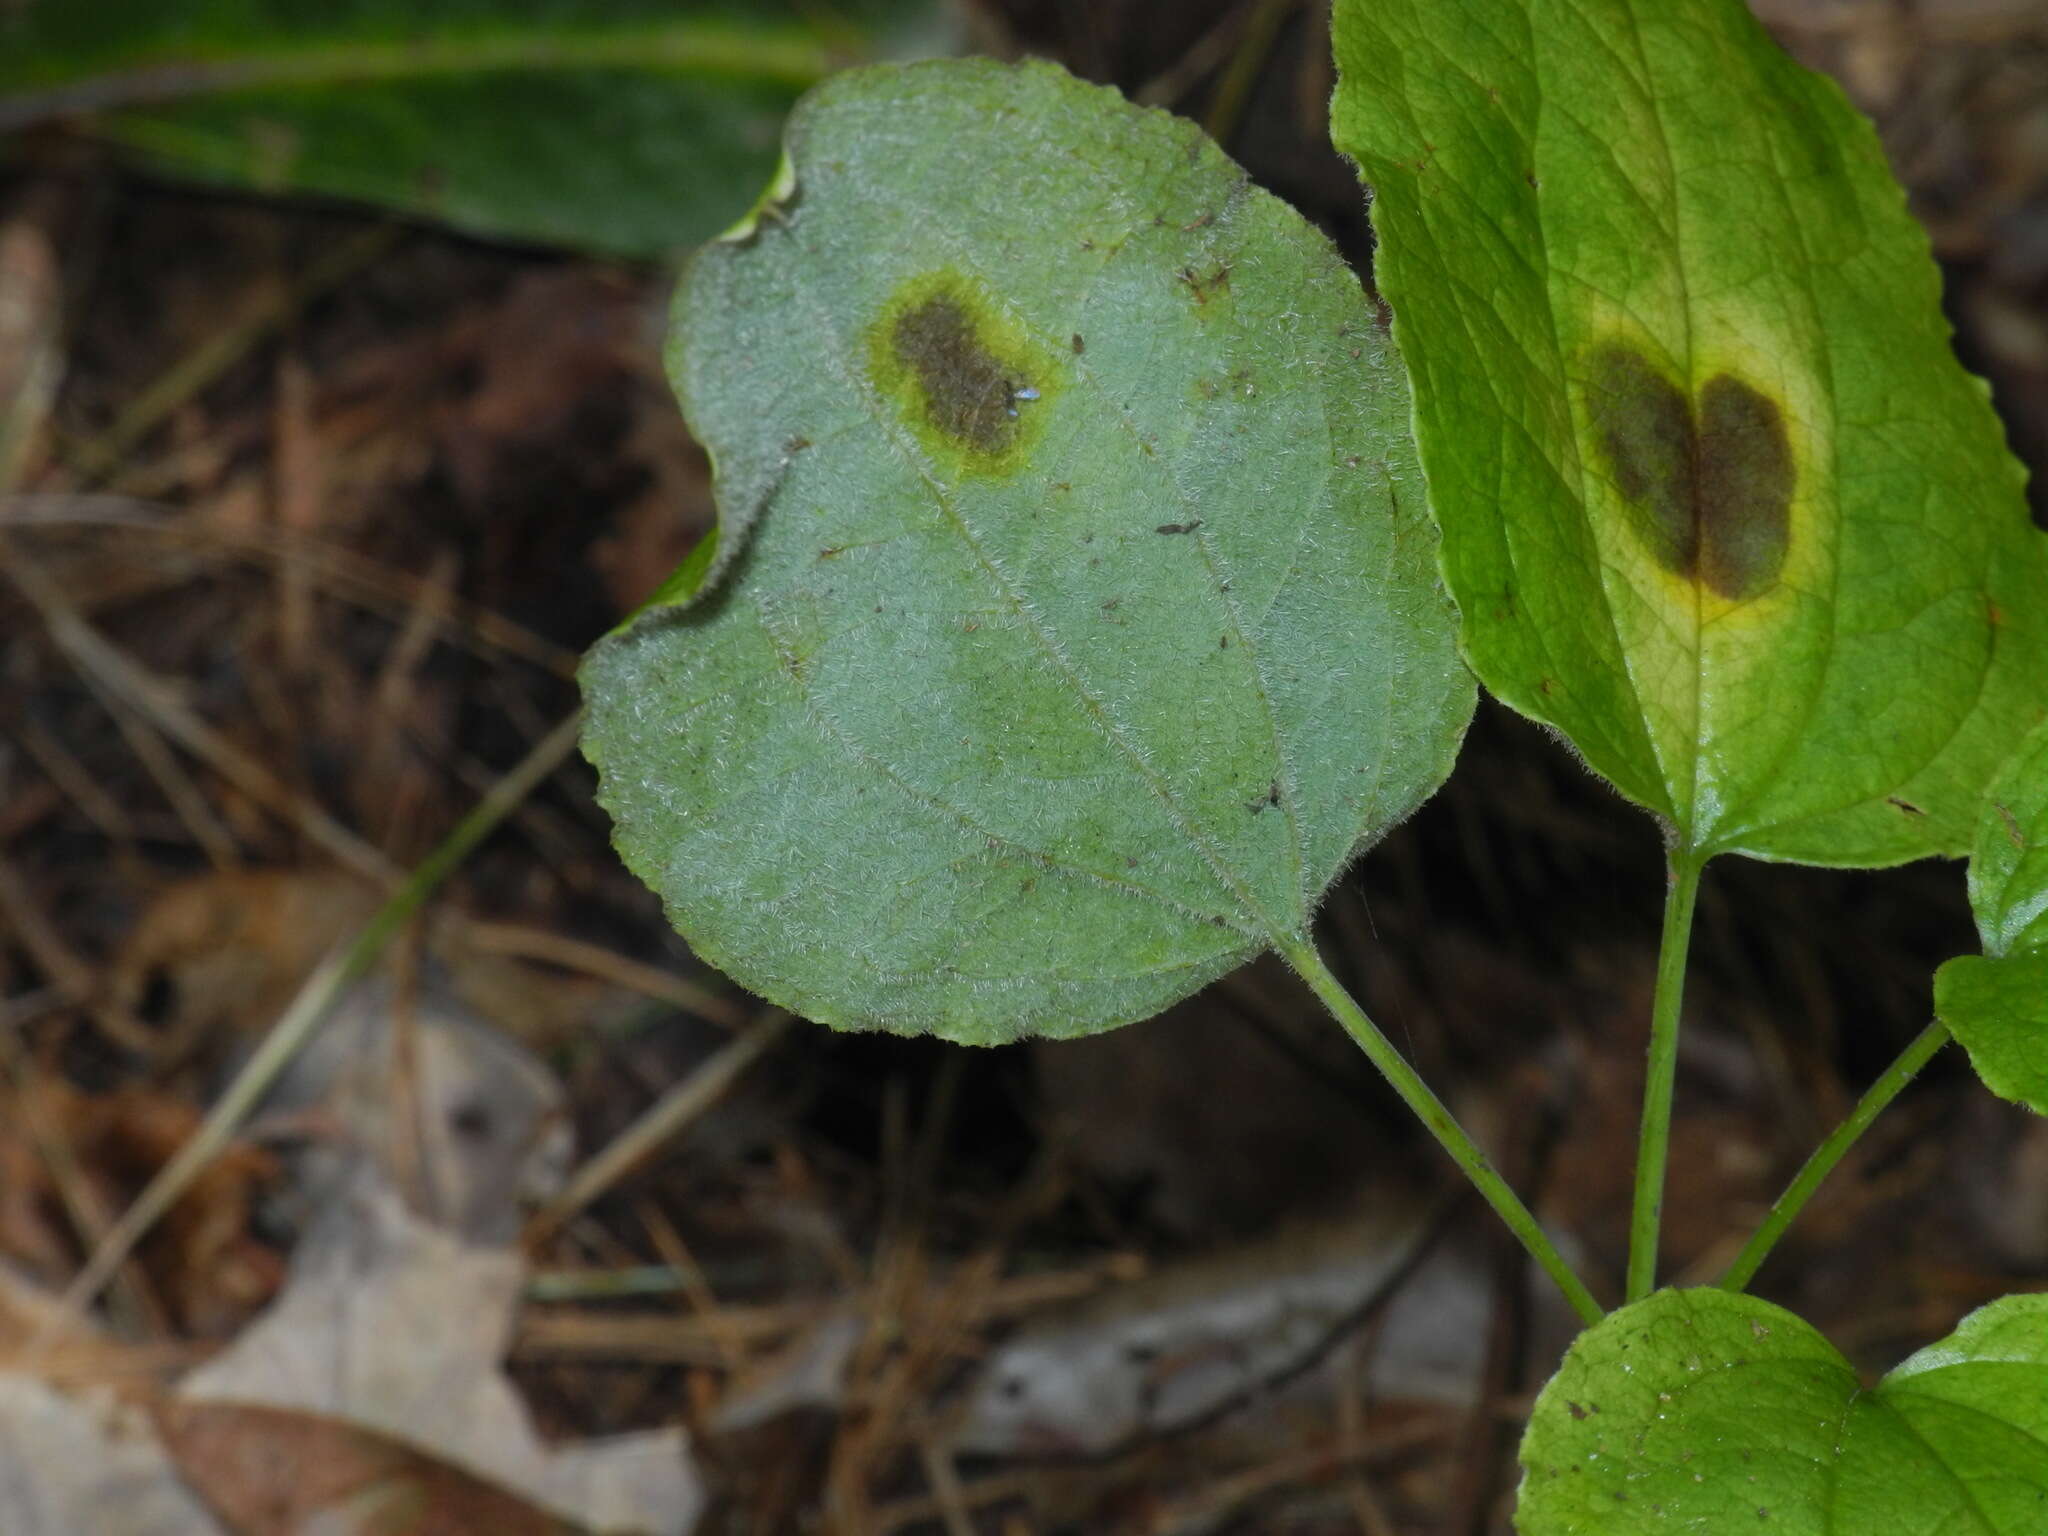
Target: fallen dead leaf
{"points": [[73, 1465], [203, 1260], [478, 1136], [395, 1327], [276, 1472]]}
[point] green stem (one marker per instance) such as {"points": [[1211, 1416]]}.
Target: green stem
{"points": [[1653, 1146], [1429, 1109], [1830, 1152]]}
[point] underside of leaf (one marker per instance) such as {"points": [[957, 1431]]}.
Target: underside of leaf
{"points": [[1074, 619]]}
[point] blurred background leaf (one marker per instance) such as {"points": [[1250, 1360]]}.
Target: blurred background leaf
{"points": [[630, 127]]}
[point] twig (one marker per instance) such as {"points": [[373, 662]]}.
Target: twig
{"points": [[391, 696], [979, 1494], [299, 487]]}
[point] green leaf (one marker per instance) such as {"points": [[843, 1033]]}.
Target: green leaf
{"points": [[1718, 501], [1076, 620], [1709, 1411], [638, 127], [2009, 864], [1997, 1003]]}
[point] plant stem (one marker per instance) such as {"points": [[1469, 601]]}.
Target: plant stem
{"points": [[1429, 1109], [1788, 1206], [1653, 1146]]}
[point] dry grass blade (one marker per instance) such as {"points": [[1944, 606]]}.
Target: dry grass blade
{"points": [[573, 1333], [111, 668], [310, 1008], [696, 1284], [99, 457], [668, 1115], [946, 1489], [71, 976], [1206, 1507], [527, 943], [139, 1310], [197, 816], [356, 578], [31, 304], [1247, 64], [63, 769]]}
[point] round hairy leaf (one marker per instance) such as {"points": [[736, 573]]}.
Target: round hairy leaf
{"points": [[1711, 1411], [1074, 618], [1997, 1003], [1718, 501]]}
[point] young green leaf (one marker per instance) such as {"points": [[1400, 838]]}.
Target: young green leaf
{"points": [[1718, 501], [1076, 619], [631, 126], [1710, 1411], [1997, 1003]]}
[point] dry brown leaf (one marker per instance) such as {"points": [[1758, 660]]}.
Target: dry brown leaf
{"points": [[475, 1129], [227, 951], [393, 1325], [224, 953], [277, 1472], [202, 1259], [87, 1466]]}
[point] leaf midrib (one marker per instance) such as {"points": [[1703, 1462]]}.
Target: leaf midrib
{"points": [[1093, 707], [782, 55], [867, 759]]}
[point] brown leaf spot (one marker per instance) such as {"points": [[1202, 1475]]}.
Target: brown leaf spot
{"points": [[1204, 286], [1709, 484], [2013, 832], [968, 394]]}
